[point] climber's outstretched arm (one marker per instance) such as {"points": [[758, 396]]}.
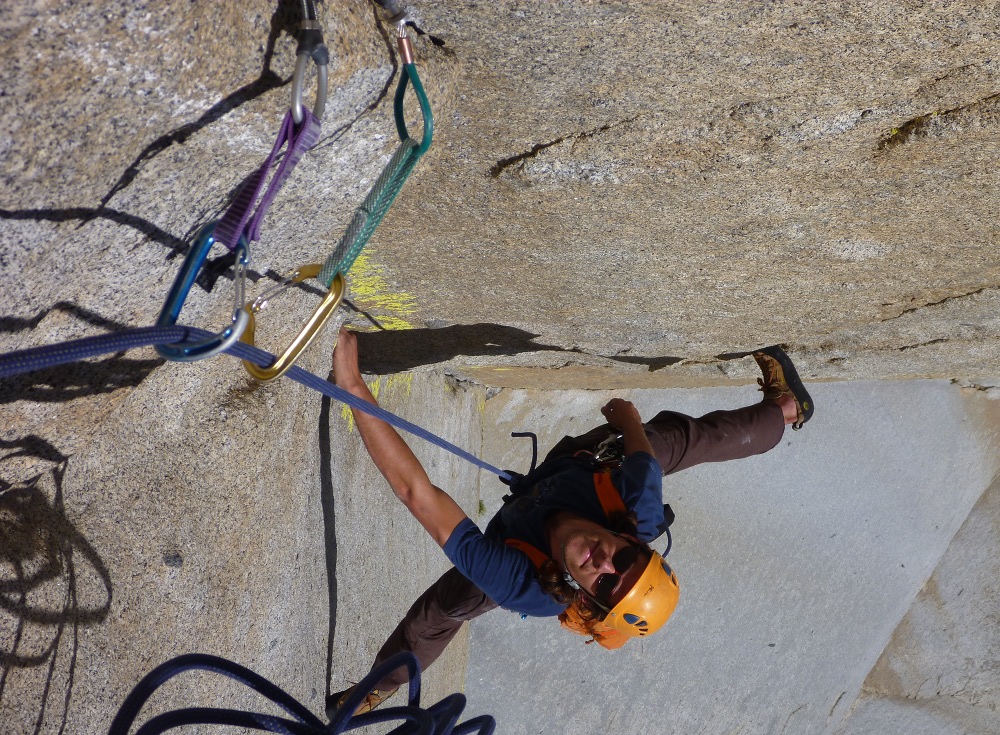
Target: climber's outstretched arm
{"points": [[430, 505]]}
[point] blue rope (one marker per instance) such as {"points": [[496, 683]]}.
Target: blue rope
{"points": [[38, 358], [440, 719]]}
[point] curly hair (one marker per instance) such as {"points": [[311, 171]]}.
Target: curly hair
{"points": [[553, 582]]}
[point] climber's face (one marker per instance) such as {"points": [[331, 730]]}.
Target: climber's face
{"points": [[602, 562]]}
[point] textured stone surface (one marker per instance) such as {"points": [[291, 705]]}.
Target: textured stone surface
{"points": [[244, 523], [795, 568], [941, 666], [620, 180], [690, 180]]}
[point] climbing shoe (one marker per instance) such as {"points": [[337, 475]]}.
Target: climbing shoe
{"points": [[781, 379], [372, 700]]}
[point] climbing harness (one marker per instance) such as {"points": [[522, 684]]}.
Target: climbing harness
{"points": [[38, 358], [609, 453], [364, 222], [606, 456], [242, 221], [439, 719]]}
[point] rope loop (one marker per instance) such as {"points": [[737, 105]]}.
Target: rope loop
{"points": [[440, 719], [62, 353], [409, 77]]}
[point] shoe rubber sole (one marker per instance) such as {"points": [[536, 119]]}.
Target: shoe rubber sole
{"points": [[794, 382]]}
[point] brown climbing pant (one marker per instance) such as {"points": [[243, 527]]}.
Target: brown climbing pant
{"points": [[678, 441]]}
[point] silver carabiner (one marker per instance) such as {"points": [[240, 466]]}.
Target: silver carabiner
{"points": [[298, 78], [611, 451]]}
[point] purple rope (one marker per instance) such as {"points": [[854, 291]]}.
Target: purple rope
{"points": [[241, 217], [38, 358]]}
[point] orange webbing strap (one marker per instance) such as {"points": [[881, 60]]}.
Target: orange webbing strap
{"points": [[536, 555], [608, 495]]}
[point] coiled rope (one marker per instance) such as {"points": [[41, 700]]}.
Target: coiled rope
{"points": [[439, 719]]}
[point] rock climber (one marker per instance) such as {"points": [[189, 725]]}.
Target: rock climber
{"points": [[571, 540]]}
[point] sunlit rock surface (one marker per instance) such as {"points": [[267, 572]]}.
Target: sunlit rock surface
{"points": [[619, 195]]}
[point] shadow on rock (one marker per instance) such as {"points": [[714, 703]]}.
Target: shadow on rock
{"points": [[285, 19], [19, 324], [398, 350], [395, 351], [52, 582], [329, 526], [66, 382]]}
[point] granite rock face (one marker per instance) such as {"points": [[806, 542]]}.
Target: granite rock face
{"points": [[618, 194], [690, 180], [642, 181], [939, 672], [843, 583]]}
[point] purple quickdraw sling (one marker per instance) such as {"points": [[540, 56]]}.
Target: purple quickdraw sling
{"points": [[241, 218]]}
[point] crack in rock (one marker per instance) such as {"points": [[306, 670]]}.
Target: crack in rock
{"points": [[991, 391], [937, 303], [436, 40], [904, 348], [986, 110], [504, 163], [834, 707]]}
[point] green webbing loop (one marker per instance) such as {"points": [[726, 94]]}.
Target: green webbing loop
{"points": [[410, 74], [368, 216]]}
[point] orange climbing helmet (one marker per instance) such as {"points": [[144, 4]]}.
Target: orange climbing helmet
{"points": [[649, 604]]}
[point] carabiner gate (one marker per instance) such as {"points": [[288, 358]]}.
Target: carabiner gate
{"points": [[200, 349], [308, 332], [310, 47]]}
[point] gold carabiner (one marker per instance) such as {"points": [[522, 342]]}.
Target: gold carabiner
{"points": [[308, 333]]}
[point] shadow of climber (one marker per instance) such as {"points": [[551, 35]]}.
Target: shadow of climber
{"points": [[52, 582]]}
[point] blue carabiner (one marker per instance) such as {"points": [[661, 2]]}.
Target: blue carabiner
{"points": [[200, 349]]}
